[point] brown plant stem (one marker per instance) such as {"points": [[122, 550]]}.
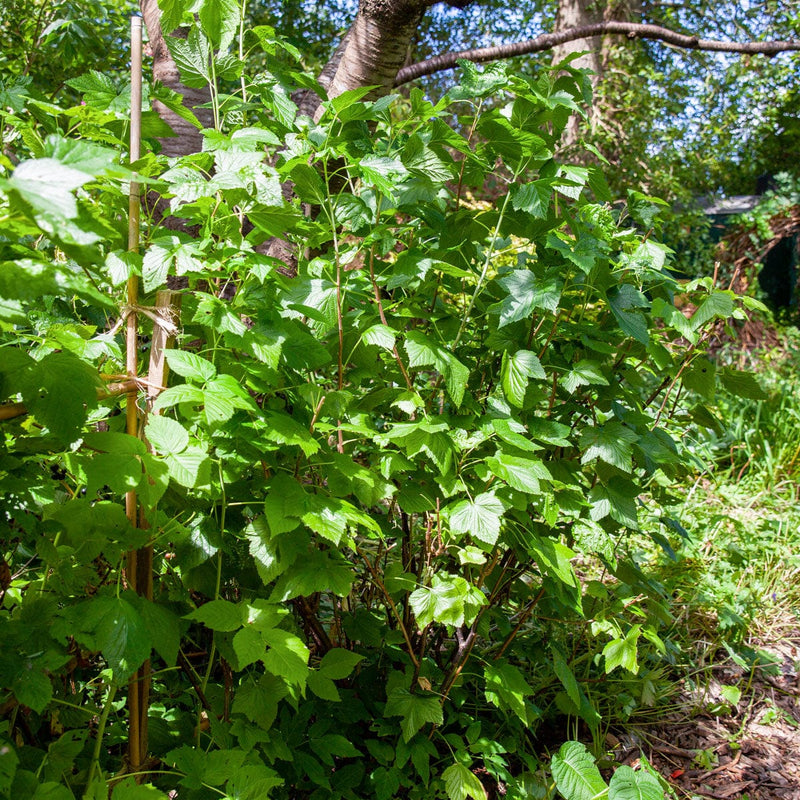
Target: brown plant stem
{"points": [[384, 591]]}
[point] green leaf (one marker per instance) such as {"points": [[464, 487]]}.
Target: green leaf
{"points": [[98, 90], [566, 676], [47, 186], [700, 377], [114, 627], [616, 498], [282, 429], [220, 21], [317, 571], [584, 373], [338, 663], [59, 390], [718, 305], [576, 774], [183, 393], [219, 615], [449, 599], [249, 646], [621, 299], [479, 517], [742, 384], [533, 198], [507, 689], [192, 57], [323, 687], [415, 709], [172, 12], [515, 373], [190, 365], [629, 785], [253, 782], [379, 335], [32, 688], [611, 443], [163, 627], [128, 789], [526, 291], [460, 783], [520, 473], [166, 435], [287, 656], [190, 467], [9, 761], [623, 652], [424, 352], [119, 471]]}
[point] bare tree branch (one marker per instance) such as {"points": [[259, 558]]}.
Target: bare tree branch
{"points": [[547, 41]]}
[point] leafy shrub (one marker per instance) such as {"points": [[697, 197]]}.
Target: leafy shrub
{"points": [[374, 490]]}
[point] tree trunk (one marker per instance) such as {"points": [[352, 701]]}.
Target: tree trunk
{"points": [[377, 44], [187, 137], [577, 14]]}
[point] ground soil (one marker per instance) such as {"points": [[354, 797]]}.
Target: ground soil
{"points": [[751, 753]]}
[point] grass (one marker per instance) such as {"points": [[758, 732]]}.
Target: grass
{"points": [[734, 578]]}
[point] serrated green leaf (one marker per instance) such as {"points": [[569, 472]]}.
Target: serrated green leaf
{"points": [[526, 291], [700, 377], [338, 663], [718, 305], [742, 384], [533, 198], [323, 687], [449, 599], [166, 435], [516, 372], [379, 335], [611, 443], [576, 774], [163, 627], [415, 709], [249, 646], [584, 373], [32, 688], [190, 468], [567, 677], [506, 688], [623, 652], [522, 474], [479, 517], [114, 627], [424, 352], [253, 782], [172, 12], [190, 365], [220, 21], [287, 656], [219, 615], [192, 56], [460, 783], [629, 785]]}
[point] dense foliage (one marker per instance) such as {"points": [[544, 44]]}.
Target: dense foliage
{"points": [[380, 493]]}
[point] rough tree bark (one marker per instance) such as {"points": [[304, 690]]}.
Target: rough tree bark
{"points": [[187, 137]]}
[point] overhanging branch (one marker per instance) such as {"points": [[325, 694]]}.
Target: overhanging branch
{"points": [[547, 41]]}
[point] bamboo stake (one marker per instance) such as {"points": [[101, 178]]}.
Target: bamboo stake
{"points": [[131, 321], [166, 312], [13, 410], [135, 706]]}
